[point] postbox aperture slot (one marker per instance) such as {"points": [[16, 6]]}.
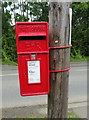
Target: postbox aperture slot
{"points": [[32, 37]]}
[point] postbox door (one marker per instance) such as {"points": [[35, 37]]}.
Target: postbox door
{"points": [[34, 79]]}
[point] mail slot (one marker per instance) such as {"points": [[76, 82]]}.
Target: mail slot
{"points": [[32, 37], [33, 57]]}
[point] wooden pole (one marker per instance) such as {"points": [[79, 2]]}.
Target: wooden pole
{"points": [[59, 59]]}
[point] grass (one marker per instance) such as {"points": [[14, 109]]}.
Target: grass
{"points": [[6, 62], [71, 115], [79, 59]]}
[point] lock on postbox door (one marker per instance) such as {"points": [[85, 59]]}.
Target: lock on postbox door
{"points": [[33, 57]]}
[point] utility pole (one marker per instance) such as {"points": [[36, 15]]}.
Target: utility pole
{"points": [[59, 59]]}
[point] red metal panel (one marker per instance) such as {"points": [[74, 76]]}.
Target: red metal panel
{"points": [[32, 37]]}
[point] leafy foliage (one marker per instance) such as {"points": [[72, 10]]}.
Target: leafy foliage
{"points": [[8, 36], [80, 30], [38, 11], [27, 11]]}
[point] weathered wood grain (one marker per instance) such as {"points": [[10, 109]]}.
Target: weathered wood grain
{"points": [[59, 59]]}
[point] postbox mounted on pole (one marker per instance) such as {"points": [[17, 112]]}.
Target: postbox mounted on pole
{"points": [[33, 57]]}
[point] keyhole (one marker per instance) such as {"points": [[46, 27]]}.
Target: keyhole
{"points": [[25, 73]]}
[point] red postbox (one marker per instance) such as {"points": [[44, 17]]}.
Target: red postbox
{"points": [[33, 57]]}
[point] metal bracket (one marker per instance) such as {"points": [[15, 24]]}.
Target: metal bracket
{"points": [[60, 70], [60, 47]]}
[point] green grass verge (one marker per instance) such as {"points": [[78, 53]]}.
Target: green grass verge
{"points": [[79, 59], [6, 62], [71, 115], [0, 61]]}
